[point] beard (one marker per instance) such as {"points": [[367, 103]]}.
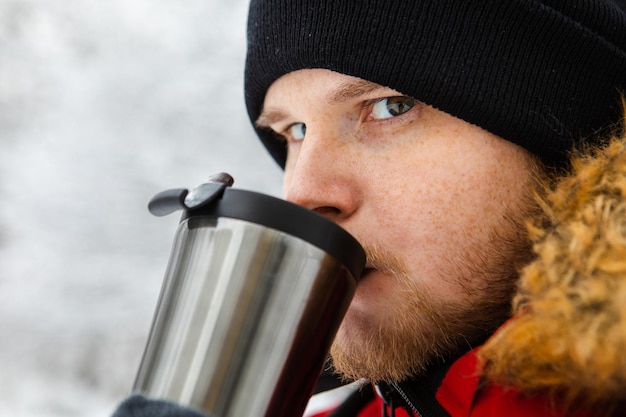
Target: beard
{"points": [[419, 329]]}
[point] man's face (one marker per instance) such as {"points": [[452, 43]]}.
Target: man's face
{"points": [[436, 202]]}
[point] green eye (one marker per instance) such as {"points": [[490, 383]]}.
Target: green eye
{"points": [[392, 106]]}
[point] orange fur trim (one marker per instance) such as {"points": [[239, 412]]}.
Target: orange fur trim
{"points": [[568, 338]]}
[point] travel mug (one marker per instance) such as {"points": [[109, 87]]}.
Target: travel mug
{"points": [[254, 293]]}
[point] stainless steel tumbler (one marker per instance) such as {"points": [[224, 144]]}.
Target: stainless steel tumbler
{"points": [[253, 295]]}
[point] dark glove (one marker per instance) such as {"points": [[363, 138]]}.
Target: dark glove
{"points": [[139, 406]]}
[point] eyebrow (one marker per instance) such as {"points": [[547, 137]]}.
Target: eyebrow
{"points": [[269, 117], [352, 89], [344, 92]]}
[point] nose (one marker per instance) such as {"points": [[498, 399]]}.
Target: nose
{"points": [[320, 176]]}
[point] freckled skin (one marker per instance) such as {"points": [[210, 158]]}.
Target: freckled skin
{"points": [[424, 185]]}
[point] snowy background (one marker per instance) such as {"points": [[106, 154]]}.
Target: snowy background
{"points": [[102, 105]]}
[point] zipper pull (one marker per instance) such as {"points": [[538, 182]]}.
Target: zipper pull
{"points": [[387, 399]]}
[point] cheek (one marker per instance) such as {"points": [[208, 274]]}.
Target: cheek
{"points": [[440, 207]]}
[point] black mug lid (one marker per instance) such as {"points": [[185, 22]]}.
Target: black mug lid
{"points": [[215, 198]]}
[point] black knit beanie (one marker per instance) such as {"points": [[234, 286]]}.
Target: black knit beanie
{"points": [[542, 74]]}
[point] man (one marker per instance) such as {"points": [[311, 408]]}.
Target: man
{"points": [[423, 128]]}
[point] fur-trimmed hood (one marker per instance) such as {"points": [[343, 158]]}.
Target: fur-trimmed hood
{"points": [[568, 336]]}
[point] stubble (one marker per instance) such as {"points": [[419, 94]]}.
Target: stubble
{"points": [[421, 330]]}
